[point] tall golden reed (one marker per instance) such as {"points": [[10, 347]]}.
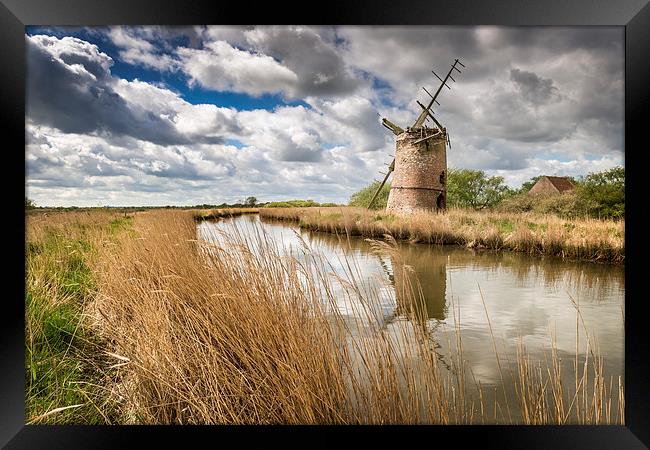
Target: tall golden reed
{"points": [[242, 333], [590, 239]]}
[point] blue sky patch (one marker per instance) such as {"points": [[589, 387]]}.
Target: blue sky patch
{"points": [[174, 80]]}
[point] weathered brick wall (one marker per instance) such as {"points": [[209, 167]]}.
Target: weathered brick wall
{"points": [[417, 179]]}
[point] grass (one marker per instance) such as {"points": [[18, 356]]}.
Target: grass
{"points": [[212, 214], [62, 365], [296, 204], [535, 234], [152, 326]]}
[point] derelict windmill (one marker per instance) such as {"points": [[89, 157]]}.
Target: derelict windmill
{"points": [[420, 162]]}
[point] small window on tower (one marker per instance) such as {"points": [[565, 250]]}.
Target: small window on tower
{"points": [[442, 177]]}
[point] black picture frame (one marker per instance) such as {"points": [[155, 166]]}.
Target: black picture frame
{"points": [[634, 15]]}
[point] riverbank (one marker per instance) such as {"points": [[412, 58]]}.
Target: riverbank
{"points": [[186, 332], [587, 239], [65, 363], [212, 214]]}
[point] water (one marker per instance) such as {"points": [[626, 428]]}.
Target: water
{"points": [[527, 299]]}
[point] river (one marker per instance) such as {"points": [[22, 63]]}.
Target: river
{"points": [[526, 299]]}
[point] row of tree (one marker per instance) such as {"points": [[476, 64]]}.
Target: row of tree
{"points": [[249, 202], [600, 194]]}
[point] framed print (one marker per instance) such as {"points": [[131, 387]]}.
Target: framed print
{"points": [[382, 219]]}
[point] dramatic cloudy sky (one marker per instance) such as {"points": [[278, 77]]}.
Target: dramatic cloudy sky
{"points": [[190, 115]]}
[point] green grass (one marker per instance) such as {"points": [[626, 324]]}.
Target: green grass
{"points": [[569, 227], [63, 357], [120, 224], [333, 215], [543, 227], [503, 225], [383, 217], [214, 214], [57, 370], [292, 204]]}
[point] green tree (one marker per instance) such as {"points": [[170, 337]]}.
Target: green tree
{"points": [[474, 189], [528, 185], [363, 197], [29, 204], [250, 201], [606, 191]]}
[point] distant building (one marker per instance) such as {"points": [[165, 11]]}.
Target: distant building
{"points": [[552, 185]]}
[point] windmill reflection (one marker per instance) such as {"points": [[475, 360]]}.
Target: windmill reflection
{"points": [[420, 273], [420, 280], [417, 272]]}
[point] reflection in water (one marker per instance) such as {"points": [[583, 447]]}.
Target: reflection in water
{"points": [[425, 272], [432, 266], [527, 298]]}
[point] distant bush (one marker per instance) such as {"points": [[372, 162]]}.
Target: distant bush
{"points": [[599, 194], [518, 203], [296, 204], [605, 192], [568, 204], [363, 197]]}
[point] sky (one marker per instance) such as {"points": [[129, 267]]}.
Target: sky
{"points": [[154, 116]]}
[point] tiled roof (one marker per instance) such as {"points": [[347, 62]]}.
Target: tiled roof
{"points": [[561, 183]]}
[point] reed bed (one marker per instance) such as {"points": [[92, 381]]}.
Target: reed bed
{"points": [[588, 239], [212, 214], [239, 332]]}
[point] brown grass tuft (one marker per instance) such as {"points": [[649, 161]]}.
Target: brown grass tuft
{"points": [[589, 239]]}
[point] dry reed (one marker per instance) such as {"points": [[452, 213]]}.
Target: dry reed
{"points": [[589, 239], [238, 332], [211, 214]]}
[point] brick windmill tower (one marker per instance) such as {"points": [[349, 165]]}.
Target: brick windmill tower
{"points": [[420, 162]]}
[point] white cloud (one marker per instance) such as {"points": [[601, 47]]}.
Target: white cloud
{"points": [[137, 50], [529, 102], [124, 39], [574, 168], [202, 120], [221, 67], [79, 57]]}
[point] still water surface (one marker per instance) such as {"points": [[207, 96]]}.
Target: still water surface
{"points": [[528, 299]]}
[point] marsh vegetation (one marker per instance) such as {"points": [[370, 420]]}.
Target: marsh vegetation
{"points": [[136, 320], [536, 234]]}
